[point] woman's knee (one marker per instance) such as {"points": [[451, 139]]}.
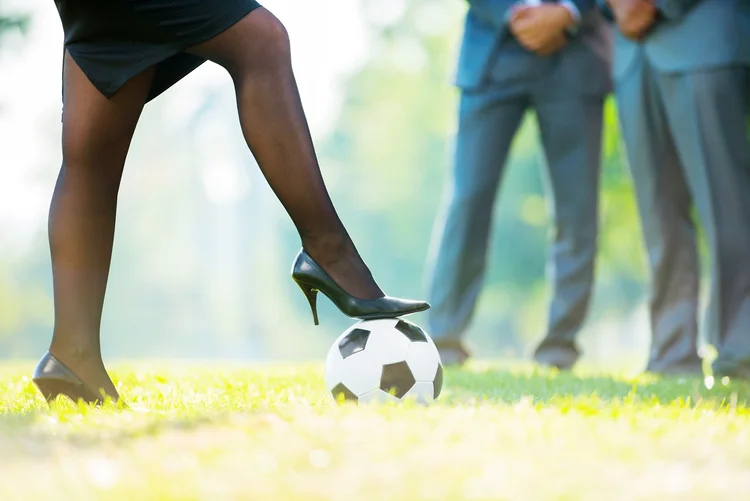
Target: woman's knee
{"points": [[79, 150], [259, 43], [94, 155], [274, 35], [265, 44], [87, 148]]}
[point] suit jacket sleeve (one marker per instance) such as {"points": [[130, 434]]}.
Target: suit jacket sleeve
{"points": [[675, 9], [605, 10], [584, 6], [494, 12]]}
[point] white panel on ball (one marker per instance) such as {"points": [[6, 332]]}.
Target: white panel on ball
{"points": [[377, 397], [423, 360], [387, 345], [333, 368], [378, 324], [360, 372], [422, 392]]}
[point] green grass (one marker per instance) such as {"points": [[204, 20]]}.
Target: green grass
{"points": [[269, 433]]}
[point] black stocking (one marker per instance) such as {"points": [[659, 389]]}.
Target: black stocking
{"points": [[256, 53], [96, 136]]}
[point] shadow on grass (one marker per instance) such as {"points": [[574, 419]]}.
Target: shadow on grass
{"points": [[496, 384], [91, 427]]}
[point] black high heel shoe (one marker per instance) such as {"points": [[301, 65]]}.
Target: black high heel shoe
{"points": [[53, 378], [312, 278]]}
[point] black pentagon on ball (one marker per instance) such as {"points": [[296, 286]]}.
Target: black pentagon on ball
{"points": [[414, 333], [340, 392], [353, 342], [437, 384], [397, 379]]}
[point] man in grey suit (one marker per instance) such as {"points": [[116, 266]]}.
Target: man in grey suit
{"points": [[551, 57], [682, 81]]}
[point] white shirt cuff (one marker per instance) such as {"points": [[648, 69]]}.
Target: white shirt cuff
{"points": [[510, 11], [565, 3], [574, 12], [572, 8]]}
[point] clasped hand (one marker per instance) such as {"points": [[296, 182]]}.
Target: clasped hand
{"points": [[634, 17], [541, 28]]}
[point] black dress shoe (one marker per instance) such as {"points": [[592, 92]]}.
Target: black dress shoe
{"points": [[738, 373], [312, 278], [690, 366], [560, 356], [53, 378], [685, 370]]}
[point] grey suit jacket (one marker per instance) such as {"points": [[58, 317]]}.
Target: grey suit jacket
{"points": [[488, 47], [690, 35]]}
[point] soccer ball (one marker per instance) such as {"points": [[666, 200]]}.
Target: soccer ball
{"points": [[384, 360]]}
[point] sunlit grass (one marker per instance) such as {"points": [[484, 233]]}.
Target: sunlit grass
{"points": [[216, 432]]}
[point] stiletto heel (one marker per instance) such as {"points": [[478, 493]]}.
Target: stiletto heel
{"points": [[312, 297], [50, 390], [53, 378], [312, 278]]}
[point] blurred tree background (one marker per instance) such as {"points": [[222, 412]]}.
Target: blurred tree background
{"points": [[8, 23], [203, 249]]}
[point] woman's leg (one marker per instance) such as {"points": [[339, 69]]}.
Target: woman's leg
{"points": [[95, 139], [256, 53]]}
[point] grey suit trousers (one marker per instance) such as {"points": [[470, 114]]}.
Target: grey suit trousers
{"points": [[570, 126], [687, 144]]}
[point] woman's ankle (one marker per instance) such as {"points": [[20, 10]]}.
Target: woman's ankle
{"points": [[327, 248], [75, 355]]}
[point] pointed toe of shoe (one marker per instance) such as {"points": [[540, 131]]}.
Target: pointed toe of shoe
{"points": [[416, 306], [399, 307]]}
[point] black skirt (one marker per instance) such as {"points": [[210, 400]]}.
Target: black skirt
{"points": [[114, 40]]}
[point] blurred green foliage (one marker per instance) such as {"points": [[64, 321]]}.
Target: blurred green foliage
{"points": [[14, 22]]}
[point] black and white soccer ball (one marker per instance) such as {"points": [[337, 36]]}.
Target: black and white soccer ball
{"points": [[384, 360]]}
